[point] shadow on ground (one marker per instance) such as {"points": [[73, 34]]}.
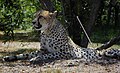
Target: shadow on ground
{"points": [[32, 36]]}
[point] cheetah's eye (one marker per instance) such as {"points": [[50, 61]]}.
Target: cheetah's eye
{"points": [[41, 17]]}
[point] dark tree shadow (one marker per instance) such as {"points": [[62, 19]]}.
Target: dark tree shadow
{"points": [[22, 37]]}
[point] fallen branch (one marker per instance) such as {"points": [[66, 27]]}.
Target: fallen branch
{"points": [[109, 44], [84, 30]]}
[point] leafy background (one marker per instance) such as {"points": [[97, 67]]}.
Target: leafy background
{"points": [[17, 15]]}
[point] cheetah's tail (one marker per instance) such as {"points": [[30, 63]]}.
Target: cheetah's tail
{"points": [[112, 53], [20, 57]]}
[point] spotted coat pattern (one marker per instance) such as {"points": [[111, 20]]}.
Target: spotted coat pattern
{"points": [[56, 44]]}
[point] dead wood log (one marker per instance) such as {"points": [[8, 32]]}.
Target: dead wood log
{"points": [[109, 44]]}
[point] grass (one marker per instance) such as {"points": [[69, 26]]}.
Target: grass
{"points": [[21, 36], [102, 35], [95, 45], [28, 37], [16, 51], [98, 37]]}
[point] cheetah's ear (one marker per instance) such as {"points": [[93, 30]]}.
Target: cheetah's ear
{"points": [[53, 15]]}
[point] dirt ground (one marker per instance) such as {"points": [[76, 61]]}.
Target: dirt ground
{"points": [[59, 66]]}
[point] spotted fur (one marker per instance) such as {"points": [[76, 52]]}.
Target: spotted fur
{"points": [[56, 44]]}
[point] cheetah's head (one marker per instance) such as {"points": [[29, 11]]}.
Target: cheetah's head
{"points": [[44, 19]]}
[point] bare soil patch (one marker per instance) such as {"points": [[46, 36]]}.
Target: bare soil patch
{"points": [[59, 66]]}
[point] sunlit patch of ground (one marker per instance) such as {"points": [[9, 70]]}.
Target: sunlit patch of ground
{"points": [[60, 66], [6, 48], [23, 44]]}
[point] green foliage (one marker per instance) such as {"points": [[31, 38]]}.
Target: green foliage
{"points": [[16, 13], [104, 35]]}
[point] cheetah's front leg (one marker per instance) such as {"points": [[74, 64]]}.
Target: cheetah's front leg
{"points": [[50, 57]]}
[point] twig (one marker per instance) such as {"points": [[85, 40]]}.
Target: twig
{"points": [[84, 30], [109, 44]]}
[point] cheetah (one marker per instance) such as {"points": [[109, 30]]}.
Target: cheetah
{"points": [[56, 44]]}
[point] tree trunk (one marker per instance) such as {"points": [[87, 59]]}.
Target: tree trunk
{"points": [[93, 14], [109, 12], [109, 44], [117, 16], [47, 5], [76, 31], [71, 10]]}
